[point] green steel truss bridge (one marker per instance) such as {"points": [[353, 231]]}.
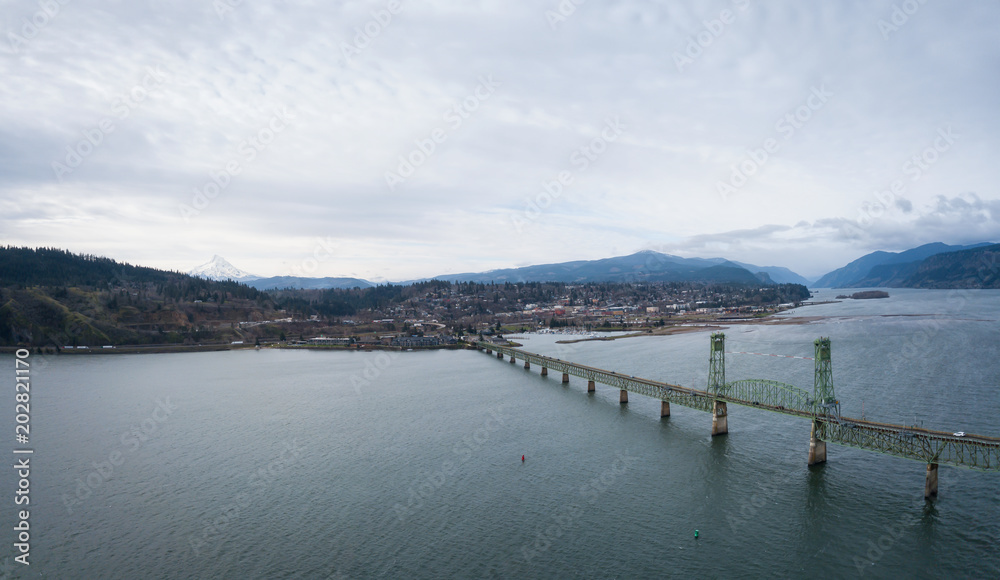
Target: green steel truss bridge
{"points": [[932, 448]]}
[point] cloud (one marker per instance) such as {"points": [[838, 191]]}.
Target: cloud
{"points": [[359, 110], [805, 247]]}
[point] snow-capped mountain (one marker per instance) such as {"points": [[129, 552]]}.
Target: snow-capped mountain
{"points": [[220, 269]]}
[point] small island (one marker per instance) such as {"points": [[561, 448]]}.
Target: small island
{"points": [[866, 295]]}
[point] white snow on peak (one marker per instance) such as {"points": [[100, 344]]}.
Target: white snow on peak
{"points": [[220, 269]]}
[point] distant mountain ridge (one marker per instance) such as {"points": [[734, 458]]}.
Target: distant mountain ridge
{"points": [[886, 268], [644, 266], [302, 283], [977, 267], [219, 269]]}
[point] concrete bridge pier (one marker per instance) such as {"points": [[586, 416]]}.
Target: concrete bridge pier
{"points": [[527, 364], [623, 398], [500, 355], [565, 378], [817, 447], [931, 482], [545, 372], [512, 359], [720, 419], [590, 387], [664, 409]]}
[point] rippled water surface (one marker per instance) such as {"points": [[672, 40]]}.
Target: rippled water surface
{"points": [[303, 464]]}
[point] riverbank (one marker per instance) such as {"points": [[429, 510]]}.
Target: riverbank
{"points": [[660, 331], [165, 348], [713, 325], [134, 349]]}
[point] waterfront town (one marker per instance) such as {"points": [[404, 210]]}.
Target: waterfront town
{"points": [[88, 304], [434, 314]]}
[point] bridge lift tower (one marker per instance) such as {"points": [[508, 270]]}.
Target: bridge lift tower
{"points": [[717, 382], [823, 398]]}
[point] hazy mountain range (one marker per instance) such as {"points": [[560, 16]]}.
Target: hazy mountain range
{"points": [[935, 265], [218, 268], [645, 266]]}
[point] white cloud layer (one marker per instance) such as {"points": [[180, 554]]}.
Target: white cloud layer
{"points": [[776, 133]]}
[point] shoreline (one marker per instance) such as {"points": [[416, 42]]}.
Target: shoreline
{"points": [[693, 326], [166, 348]]}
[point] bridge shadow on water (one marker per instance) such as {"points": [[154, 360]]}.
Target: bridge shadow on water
{"points": [[719, 448], [817, 495]]}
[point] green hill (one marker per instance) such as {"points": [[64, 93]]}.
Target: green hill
{"points": [[974, 268], [51, 297]]}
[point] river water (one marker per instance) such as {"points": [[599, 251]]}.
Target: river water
{"points": [[307, 464]]}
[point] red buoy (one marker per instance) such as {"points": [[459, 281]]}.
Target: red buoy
{"points": [[522, 459]]}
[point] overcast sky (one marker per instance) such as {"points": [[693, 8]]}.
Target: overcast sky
{"points": [[394, 141]]}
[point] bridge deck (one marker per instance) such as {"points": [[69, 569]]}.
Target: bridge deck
{"points": [[925, 445]]}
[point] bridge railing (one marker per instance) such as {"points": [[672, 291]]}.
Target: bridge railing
{"points": [[912, 444], [761, 392], [917, 444], [674, 394]]}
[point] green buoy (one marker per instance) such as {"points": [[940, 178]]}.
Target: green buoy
{"points": [[696, 534]]}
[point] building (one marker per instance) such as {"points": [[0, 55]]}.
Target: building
{"points": [[331, 341], [412, 341]]}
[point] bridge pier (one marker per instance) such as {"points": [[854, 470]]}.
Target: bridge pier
{"points": [[817, 447], [527, 365], [931, 482], [590, 387], [720, 419], [623, 398], [565, 378], [499, 355], [512, 359], [664, 409], [545, 372]]}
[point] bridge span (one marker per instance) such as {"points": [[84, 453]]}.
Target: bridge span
{"points": [[930, 447]]}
